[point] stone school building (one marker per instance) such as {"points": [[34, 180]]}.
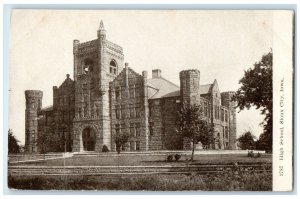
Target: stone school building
{"points": [[106, 97]]}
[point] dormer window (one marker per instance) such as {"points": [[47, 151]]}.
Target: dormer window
{"points": [[113, 67]]}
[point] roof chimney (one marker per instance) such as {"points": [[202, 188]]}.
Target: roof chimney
{"points": [[156, 73]]}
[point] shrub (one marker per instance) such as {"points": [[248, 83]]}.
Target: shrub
{"points": [[258, 155], [177, 157], [250, 154], [105, 149], [169, 158]]}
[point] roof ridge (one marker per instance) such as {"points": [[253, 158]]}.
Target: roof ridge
{"points": [[166, 81]]}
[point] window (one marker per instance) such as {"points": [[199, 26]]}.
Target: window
{"points": [[33, 133], [151, 130], [32, 103], [226, 116], [87, 66], [123, 127], [113, 67], [222, 115], [137, 110], [39, 103], [123, 93], [79, 112], [137, 145], [117, 93], [132, 146], [226, 132], [132, 130], [117, 129], [123, 111], [131, 91], [205, 109], [137, 130], [117, 111]]}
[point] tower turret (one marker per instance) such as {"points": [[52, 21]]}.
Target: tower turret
{"points": [[226, 101], [189, 86], [33, 105]]}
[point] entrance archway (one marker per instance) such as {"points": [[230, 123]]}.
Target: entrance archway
{"points": [[88, 139]]}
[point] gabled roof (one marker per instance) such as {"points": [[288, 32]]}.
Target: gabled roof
{"points": [[67, 82], [164, 88], [204, 89]]}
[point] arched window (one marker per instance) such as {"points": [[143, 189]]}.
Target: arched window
{"points": [[113, 67], [87, 66]]}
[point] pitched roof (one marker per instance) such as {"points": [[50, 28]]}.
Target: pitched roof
{"points": [[164, 88], [204, 89]]}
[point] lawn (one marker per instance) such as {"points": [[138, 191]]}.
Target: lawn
{"points": [[145, 159], [228, 181]]}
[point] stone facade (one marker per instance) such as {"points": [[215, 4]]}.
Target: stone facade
{"points": [[106, 98]]}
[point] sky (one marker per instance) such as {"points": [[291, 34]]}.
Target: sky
{"points": [[221, 44]]}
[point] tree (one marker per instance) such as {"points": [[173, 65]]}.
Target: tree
{"points": [[192, 125], [13, 146], [256, 90], [246, 141], [48, 141], [121, 139]]}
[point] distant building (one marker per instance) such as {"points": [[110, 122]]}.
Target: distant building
{"points": [[105, 98]]}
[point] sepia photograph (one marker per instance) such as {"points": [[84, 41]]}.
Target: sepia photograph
{"points": [[150, 100]]}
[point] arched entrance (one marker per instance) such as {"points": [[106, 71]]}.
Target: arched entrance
{"points": [[88, 139]]}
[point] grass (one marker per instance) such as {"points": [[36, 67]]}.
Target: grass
{"points": [[227, 181], [158, 160]]}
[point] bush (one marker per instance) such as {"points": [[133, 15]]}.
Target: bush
{"points": [[105, 149], [250, 154], [177, 157], [169, 158], [258, 155]]}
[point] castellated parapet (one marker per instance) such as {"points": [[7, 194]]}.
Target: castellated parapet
{"points": [[33, 105]]}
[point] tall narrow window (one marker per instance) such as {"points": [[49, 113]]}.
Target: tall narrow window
{"points": [[137, 130], [132, 130], [131, 92], [123, 111], [117, 129], [151, 128], [33, 133], [137, 145], [113, 67], [137, 110], [117, 111], [32, 103], [117, 93]]}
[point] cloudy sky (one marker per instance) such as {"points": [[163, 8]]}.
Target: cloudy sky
{"points": [[221, 44]]}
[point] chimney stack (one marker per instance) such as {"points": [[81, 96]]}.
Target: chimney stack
{"points": [[156, 73]]}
